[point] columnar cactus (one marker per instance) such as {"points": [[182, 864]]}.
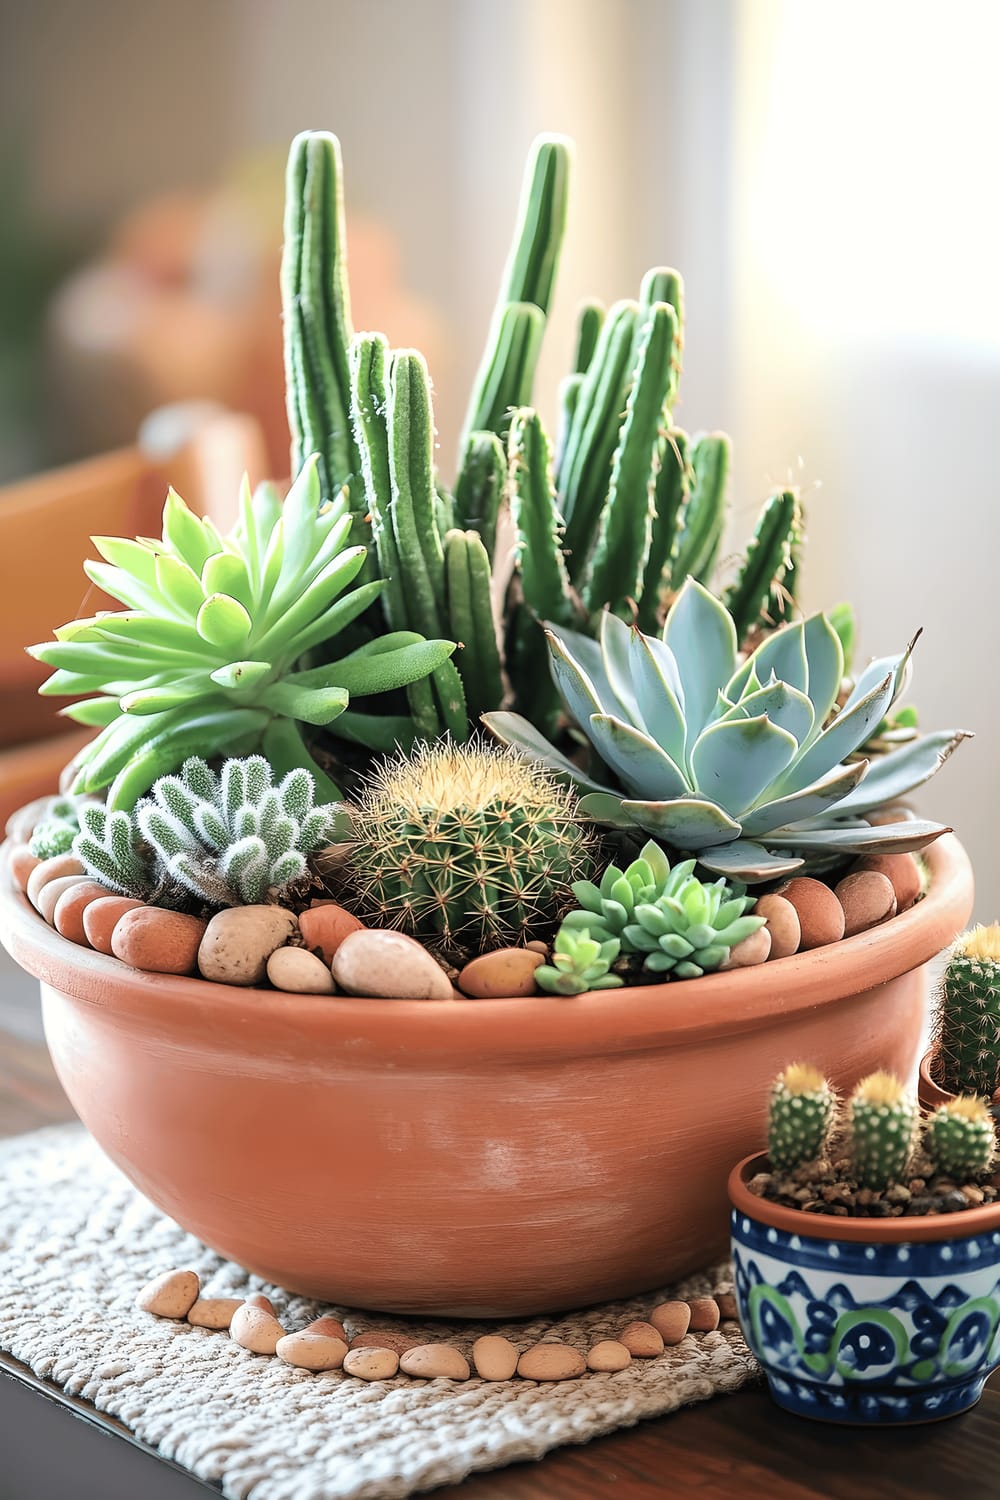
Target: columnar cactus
{"points": [[960, 1137], [967, 1024], [883, 1120], [801, 1114], [465, 847]]}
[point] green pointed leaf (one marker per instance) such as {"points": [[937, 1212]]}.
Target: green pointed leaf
{"points": [[644, 768], [654, 673], [702, 637], [831, 791], [687, 823], [223, 622], [895, 775], [512, 729], [735, 762]]}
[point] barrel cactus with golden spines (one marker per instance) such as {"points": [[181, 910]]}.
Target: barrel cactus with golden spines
{"points": [[960, 1137], [738, 761], [967, 1020], [466, 848], [884, 1122], [206, 657], [802, 1111]]}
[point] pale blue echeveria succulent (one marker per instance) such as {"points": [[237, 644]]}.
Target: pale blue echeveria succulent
{"points": [[743, 763]]}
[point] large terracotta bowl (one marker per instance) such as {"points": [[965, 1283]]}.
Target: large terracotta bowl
{"points": [[482, 1157]]}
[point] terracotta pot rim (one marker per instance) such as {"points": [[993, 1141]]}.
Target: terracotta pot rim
{"points": [[931, 1092], [909, 1231], [629, 1019]]}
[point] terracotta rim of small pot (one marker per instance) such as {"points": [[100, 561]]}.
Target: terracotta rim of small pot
{"points": [[909, 1231], [929, 1091], [605, 1021]]}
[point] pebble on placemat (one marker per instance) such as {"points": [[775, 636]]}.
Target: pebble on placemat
{"points": [[671, 1321], [213, 1312], [382, 1338], [726, 1303], [551, 1362], [371, 1364], [608, 1357], [311, 1351], [642, 1340], [254, 1329], [494, 1357], [435, 1362], [704, 1314], [171, 1295]]}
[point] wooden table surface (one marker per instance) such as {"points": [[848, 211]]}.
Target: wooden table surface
{"points": [[732, 1446]]}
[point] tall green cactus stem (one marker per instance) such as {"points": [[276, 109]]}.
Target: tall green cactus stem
{"points": [[585, 462], [967, 1021], [369, 399], [669, 497], [663, 284], [535, 514], [411, 472], [480, 487], [588, 331], [508, 379], [471, 620], [705, 512], [616, 571], [780, 604], [528, 277], [317, 317], [960, 1138], [801, 1114], [884, 1121], [765, 562]]}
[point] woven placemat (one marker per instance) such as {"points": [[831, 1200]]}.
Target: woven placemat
{"points": [[76, 1244]]}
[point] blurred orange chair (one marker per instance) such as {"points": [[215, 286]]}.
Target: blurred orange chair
{"points": [[45, 528]]}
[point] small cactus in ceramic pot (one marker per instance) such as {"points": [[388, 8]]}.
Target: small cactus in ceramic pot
{"points": [[801, 1113], [967, 1021], [883, 1120], [960, 1137]]}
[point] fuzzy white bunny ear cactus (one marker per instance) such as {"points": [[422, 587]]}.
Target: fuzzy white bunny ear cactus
{"points": [[230, 839]]}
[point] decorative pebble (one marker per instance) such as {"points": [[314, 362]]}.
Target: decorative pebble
{"points": [[867, 898], [507, 972], [642, 1340], [726, 1303], [752, 950], [171, 1295], [435, 1362], [71, 908], [551, 1362], [239, 941], [381, 1338], [254, 1329], [389, 966], [608, 1356], [820, 914], [299, 972], [213, 1312], [371, 1364], [101, 917], [311, 1351], [51, 869], [494, 1357], [257, 1299], [901, 869], [332, 1328], [21, 864], [158, 941], [782, 923], [537, 946], [704, 1314], [324, 927], [671, 1321], [51, 892]]}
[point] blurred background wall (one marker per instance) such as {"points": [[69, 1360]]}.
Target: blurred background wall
{"points": [[823, 172]]}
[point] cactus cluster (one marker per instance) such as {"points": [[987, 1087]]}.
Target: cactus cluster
{"points": [[227, 838], [206, 657], [55, 834], [967, 1015], [802, 1113], [883, 1134], [465, 847], [676, 923], [617, 513]]}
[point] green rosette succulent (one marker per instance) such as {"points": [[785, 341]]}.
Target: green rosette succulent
{"points": [[205, 658], [742, 762], [579, 963], [679, 924]]}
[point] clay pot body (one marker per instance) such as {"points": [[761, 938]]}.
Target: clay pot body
{"points": [[874, 1321], [491, 1157]]}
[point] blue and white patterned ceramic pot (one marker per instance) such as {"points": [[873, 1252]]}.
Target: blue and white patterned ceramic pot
{"points": [[867, 1320]]}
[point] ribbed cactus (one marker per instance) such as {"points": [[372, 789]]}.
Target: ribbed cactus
{"points": [[579, 963], [960, 1138], [768, 557], [883, 1121], [466, 847], [802, 1111], [231, 838], [967, 1017]]}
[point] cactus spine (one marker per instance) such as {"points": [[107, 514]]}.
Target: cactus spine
{"points": [[960, 1138], [884, 1121], [801, 1114], [968, 1015], [466, 847]]}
